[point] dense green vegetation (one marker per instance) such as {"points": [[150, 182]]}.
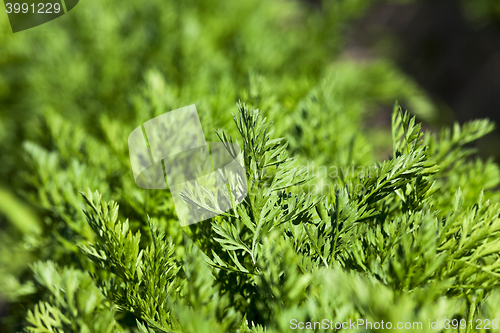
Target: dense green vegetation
{"points": [[351, 214]]}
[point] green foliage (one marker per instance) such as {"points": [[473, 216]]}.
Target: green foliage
{"points": [[73, 303], [394, 251], [407, 230]]}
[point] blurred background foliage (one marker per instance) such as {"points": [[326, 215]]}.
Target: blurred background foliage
{"points": [[450, 48], [73, 89]]}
